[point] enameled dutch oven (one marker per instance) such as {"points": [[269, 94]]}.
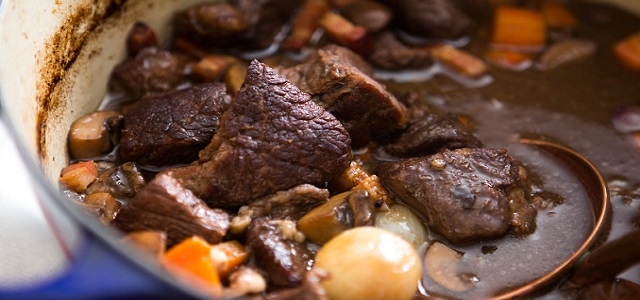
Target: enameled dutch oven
{"points": [[55, 58]]}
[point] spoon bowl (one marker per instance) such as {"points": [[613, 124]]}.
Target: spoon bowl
{"points": [[598, 195]]}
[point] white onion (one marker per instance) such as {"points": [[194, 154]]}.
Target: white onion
{"points": [[404, 222], [369, 263]]}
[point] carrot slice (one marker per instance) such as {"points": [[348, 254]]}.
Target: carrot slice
{"points": [[518, 27], [628, 51], [78, 176], [558, 16], [191, 261]]}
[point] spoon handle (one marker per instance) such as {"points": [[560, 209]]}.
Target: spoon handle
{"points": [[607, 261]]}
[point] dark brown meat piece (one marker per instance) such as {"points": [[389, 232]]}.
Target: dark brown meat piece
{"points": [[165, 205], [461, 192], [215, 23], [339, 80], [310, 289], [265, 19], [283, 259], [171, 128], [249, 24], [391, 54], [272, 138], [151, 71], [123, 181], [290, 204], [430, 18], [431, 135]]}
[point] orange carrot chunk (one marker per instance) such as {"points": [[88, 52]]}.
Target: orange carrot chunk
{"points": [[628, 51], [191, 261], [518, 27], [558, 16], [78, 176]]}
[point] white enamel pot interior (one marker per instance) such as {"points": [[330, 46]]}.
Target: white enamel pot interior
{"points": [[55, 60]]}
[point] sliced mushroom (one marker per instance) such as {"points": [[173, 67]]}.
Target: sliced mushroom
{"points": [[441, 265], [327, 220], [94, 134]]}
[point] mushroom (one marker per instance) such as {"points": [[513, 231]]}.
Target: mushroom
{"points": [[94, 134], [441, 264]]}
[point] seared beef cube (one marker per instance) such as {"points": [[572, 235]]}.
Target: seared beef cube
{"points": [[391, 54], [151, 71], [273, 246], [462, 193], [173, 127], [165, 205], [123, 181], [310, 289], [431, 135], [338, 79], [290, 204], [210, 23], [272, 138], [265, 19], [430, 18]]}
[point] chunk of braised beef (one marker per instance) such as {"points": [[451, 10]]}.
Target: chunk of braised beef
{"points": [[391, 54], [171, 128], [274, 249], [123, 181], [310, 289], [462, 193], [272, 138], [340, 81], [165, 205], [290, 204], [265, 19], [152, 70], [214, 23], [433, 134], [430, 18]]}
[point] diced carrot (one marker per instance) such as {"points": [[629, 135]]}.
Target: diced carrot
{"points": [[191, 261], [557, 15], [78, 176], [518, 27], [345, 33], [305, 24], [228, 255], [459, 60], [628, 51]]}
